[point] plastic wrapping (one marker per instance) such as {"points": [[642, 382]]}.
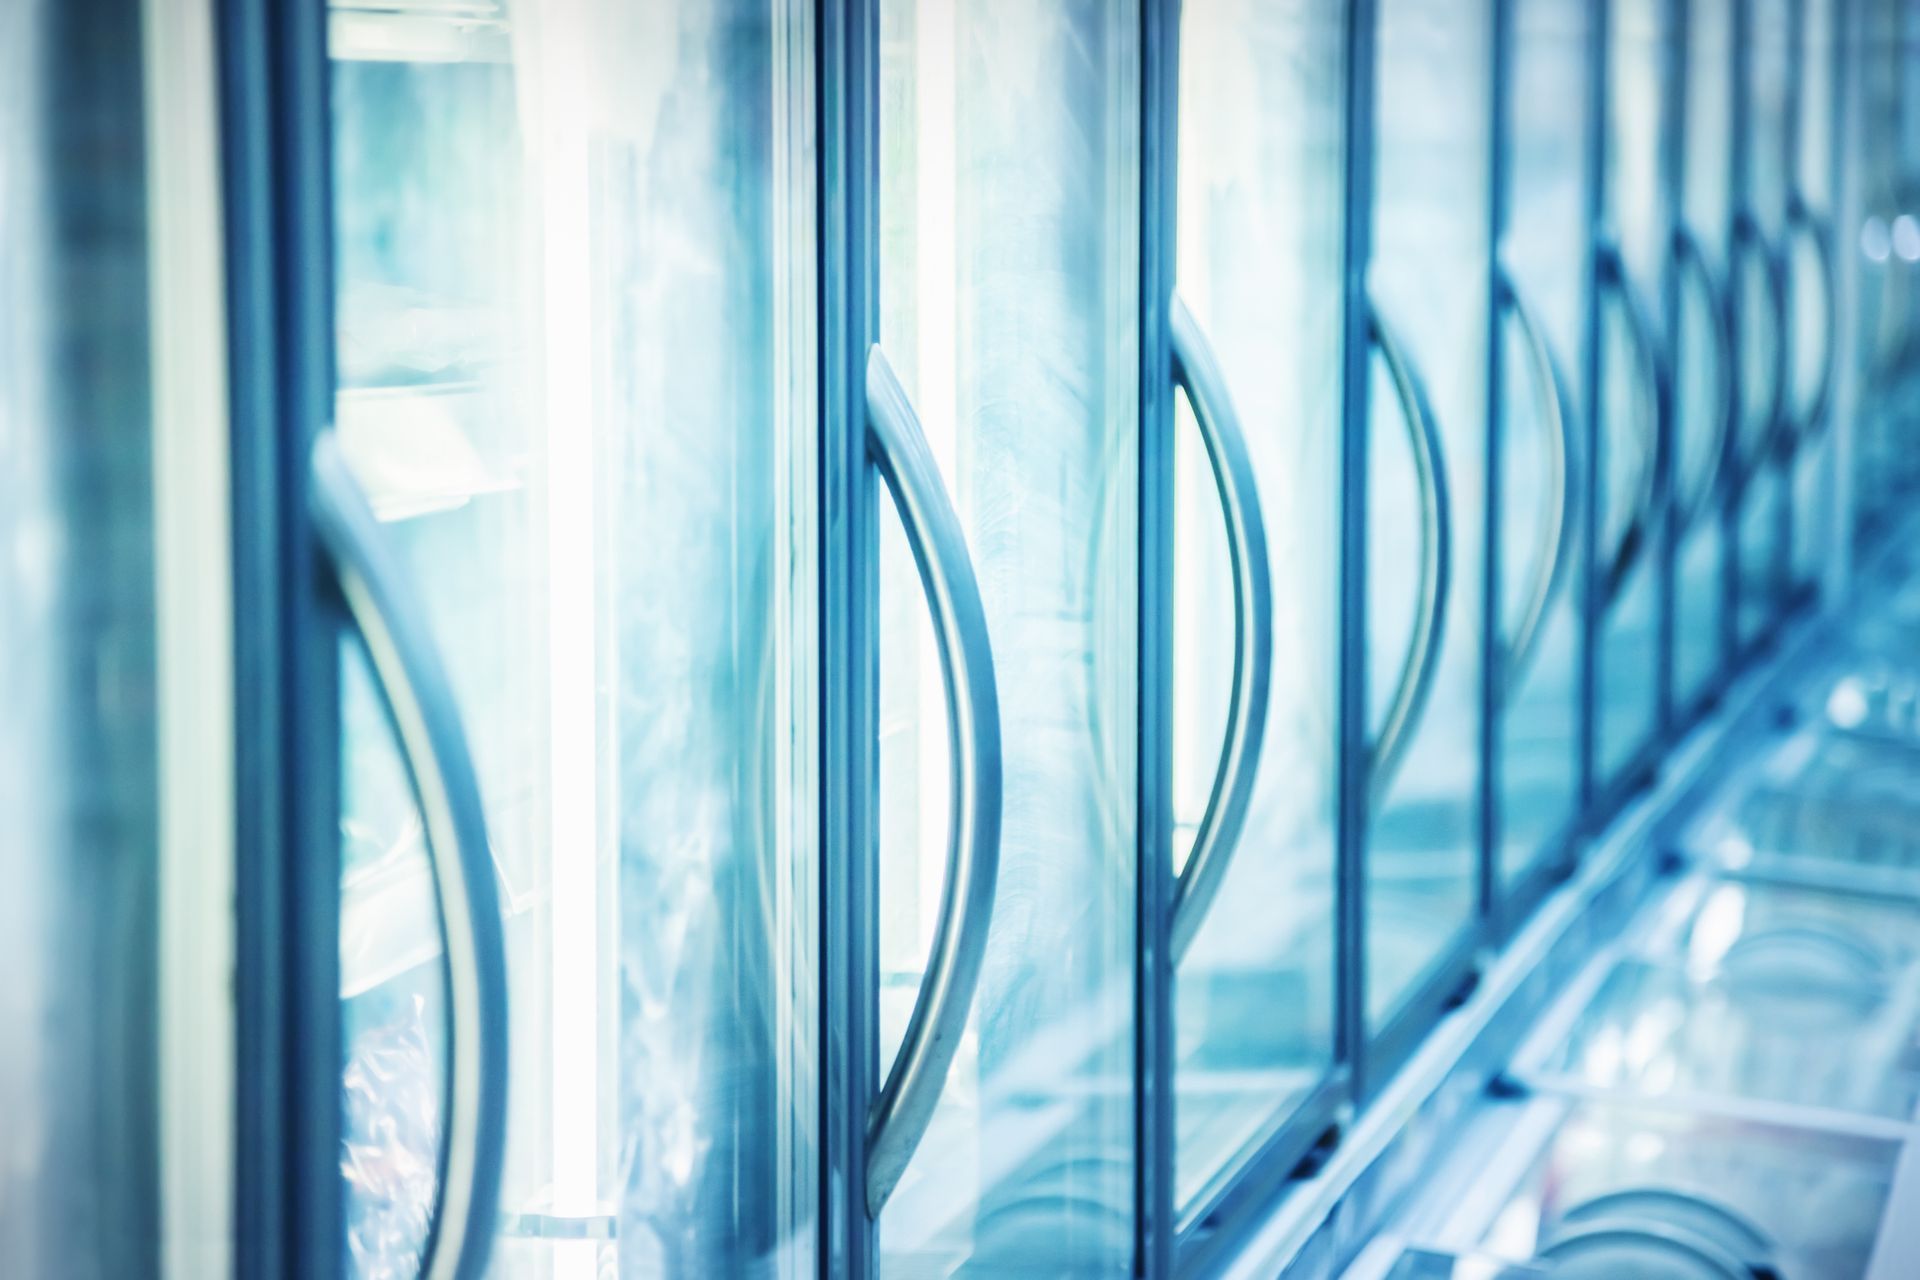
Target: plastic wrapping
{"points": [[391, 1142]]}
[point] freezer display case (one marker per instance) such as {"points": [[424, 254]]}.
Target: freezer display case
{"points": [[904, 637]]}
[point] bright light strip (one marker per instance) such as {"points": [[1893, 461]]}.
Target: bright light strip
{"points": [[561, 132]]}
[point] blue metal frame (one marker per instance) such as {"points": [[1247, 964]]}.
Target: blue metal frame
{"points": [[1156, 1215], [289, 1206], [1493, 653], [1595, 159], [1354, 772], [847, 98]]}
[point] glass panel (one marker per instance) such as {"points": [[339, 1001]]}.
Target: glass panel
{"points": [[1817, 1197], [80, 1042], [574, 254], [1815, 57], [1260, 265], [1706, 208], [1885, 297], [1833, 804], [1637, 210], [1762, 991], [1009, 262], [1769, 70], [1545, 251], [1429, 277]]}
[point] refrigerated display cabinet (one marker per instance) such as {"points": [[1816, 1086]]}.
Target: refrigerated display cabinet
{"points": [[959, 637]]}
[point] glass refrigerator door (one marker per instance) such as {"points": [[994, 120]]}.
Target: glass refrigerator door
{"points": [[1762, 319], [1008, 269], [1705, 386], [1885, 246], [573, 249], [1627, 407], [1261, 271], [1543, 261], [1426, 453], [1814, 269]]}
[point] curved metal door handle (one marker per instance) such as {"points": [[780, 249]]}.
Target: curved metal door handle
{"points": [[1748, 238], [1555, 405], [1691, 261], [1637, 538], [420, 700], [1803, 221], [901, 1112], [1422, 663], [1197, 371]]}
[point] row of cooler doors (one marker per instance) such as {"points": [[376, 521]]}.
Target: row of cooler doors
{"points": [[1327, 455], [1728, 1085]]}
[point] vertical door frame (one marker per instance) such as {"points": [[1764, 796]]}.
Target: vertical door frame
{"points": [[1355, 756], [1156, 1211], [1493, 651], [290, 1204], [1599, 127], [846, 46]]}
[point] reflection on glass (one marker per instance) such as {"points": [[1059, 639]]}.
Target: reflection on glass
{"points": [[1636, 209], [1008, 260], [1429, 278], [1544, 252], [1260, 265], [574, 282]]}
